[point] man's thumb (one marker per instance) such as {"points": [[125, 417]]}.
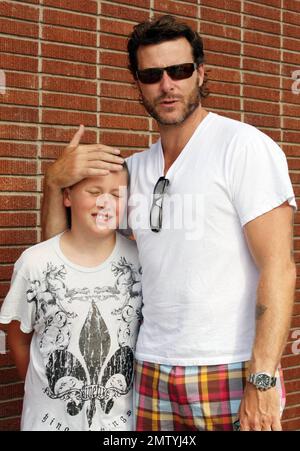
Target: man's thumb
{"points": [[77, 137]]}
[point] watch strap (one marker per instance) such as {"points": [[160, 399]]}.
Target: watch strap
{"points": [[253, 377]]}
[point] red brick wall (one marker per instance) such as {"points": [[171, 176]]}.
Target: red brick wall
{"points": [[65, 64]]}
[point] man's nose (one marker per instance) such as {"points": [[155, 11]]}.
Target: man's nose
{"points": [[166, 82]]}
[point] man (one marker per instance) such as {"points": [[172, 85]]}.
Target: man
{"points": [[204, 358]]}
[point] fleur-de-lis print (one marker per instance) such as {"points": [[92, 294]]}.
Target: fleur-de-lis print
{"points": [[76, 385]]}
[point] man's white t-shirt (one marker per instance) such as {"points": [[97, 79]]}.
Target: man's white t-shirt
{"points": [[85, 323], [199, 279]]}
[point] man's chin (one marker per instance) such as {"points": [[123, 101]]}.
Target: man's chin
{"points": [[165, 121], [172, 118]]}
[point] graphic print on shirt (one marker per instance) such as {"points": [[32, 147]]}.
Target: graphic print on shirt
{"points": [[94, 379]]}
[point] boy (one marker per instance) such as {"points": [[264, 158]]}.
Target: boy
{"points": [[73, 311]]}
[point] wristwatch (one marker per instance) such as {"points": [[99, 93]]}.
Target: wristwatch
{"points": [[262, 381]]}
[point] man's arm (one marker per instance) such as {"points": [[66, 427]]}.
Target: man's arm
{"points": [[270, 241], [19, 344], [75, 163], [54, 215]]}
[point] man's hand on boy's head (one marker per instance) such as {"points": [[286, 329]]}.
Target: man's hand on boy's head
{"points": [[80, 161]]}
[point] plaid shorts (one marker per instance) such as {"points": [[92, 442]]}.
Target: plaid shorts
{"points": [[194, 398]]}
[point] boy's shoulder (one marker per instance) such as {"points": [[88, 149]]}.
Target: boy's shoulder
{"points": [[36, 253], [127, 246]]}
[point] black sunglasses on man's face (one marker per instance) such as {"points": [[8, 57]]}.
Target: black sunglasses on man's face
{"points": [[176, 72]]}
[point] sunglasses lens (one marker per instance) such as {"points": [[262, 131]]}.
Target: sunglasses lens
{"points": [[177, 72], [148, 76], [156, 209], [161, 186], [181, 71], [155, 218]]}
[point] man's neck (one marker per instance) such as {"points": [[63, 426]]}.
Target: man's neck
{"points": [[175, 137]]}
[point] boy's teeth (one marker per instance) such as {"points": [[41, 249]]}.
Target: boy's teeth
{"points": [[103, 216]]}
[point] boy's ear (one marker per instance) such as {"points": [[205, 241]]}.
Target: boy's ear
{"points": [[67, 197]]}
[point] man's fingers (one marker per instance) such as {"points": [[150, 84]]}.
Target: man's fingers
{"points": [[266, 427], [96, 155], [245, 427], [77, 137], [91, 172], [96, 164], [75, 141], [98, 152], [111, 151], [276, 426], [108, 149]]}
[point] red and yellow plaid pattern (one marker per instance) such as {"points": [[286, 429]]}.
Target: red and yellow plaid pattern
{"points": [[192, 398]]}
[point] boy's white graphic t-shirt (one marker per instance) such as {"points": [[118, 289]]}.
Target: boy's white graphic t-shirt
{"points": [[85, 323], [199, 279]]}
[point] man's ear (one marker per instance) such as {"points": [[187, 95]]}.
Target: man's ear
{"points": [[200, 70], [67, 197]]}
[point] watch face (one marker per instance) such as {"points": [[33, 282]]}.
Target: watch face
{"points": [[262, 381]]}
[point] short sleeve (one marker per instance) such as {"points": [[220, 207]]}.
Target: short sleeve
{"points": [[19, 303], [258, 177]]}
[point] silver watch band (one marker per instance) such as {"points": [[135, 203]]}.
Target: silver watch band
{"points": [[262, 380]]}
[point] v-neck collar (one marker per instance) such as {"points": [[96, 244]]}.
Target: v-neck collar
{"points": [[184, 151]]}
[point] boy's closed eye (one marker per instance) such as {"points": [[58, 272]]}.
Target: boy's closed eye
{"points": [[120, 193], [117, 195], [94, 192]]}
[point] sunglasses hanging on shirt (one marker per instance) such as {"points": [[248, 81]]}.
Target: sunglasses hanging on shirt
{"points": [[157, 204]]}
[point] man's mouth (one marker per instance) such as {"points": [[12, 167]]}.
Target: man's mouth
{"points": [[170, 102]]}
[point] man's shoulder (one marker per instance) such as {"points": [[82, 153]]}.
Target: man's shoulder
{"points": [[142, 156], [234, 126], [240, 137]]}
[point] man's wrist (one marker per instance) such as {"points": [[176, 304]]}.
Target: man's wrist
{"points": [[262, 365], [51, 181]]}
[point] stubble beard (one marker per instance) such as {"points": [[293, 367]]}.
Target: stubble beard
{"points": [[191, 104]]}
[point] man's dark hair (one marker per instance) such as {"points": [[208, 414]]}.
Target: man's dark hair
{"points": [[166, 28]]}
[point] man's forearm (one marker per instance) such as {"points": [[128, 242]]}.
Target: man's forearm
{"points": [[273, 315], [54, 217]]}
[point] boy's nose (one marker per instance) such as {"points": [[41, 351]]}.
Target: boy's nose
{"points": [[103, 201]]}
